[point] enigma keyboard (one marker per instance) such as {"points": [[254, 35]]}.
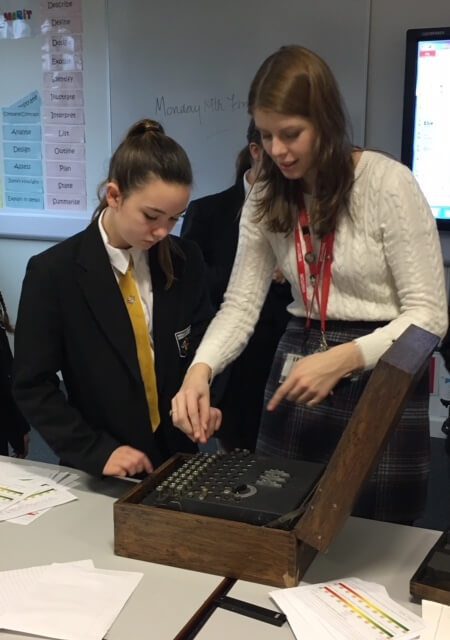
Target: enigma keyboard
{"points": [[236, 486]]}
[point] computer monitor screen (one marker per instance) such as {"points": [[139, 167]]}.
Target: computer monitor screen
{"points": [[426, 116]]}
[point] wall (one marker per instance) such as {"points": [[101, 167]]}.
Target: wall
{"points": [[27, 55], [14, 255], [194, 76]]}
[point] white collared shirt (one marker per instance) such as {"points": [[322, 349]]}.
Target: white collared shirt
{"points": [[247, 185], [120, 259]]}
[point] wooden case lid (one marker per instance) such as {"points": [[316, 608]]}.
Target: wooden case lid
{"points": [[374, 418]]}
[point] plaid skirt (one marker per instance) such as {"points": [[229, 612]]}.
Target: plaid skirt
{"points": [[397, 489]]}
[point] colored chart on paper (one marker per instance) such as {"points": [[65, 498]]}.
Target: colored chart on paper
{"points": [[365, 611], [346, 608]]}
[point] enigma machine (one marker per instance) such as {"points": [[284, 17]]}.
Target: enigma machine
{"points": [[237, 486], [264, 520]]}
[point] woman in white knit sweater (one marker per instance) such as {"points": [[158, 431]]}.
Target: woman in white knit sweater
{"points": [[355, 237]]}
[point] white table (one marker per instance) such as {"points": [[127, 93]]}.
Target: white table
{"points": [[167, 597], [375, 551]]}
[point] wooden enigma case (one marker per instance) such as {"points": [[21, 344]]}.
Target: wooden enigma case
{"points": [[273, 556]]}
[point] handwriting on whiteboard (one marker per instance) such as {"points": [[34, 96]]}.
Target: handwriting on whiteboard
{"points": [[214, 104]]}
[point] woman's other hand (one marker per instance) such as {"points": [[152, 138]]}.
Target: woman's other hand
{"points": [[313, 377]]}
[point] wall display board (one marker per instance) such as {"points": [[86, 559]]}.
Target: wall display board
{"points": [[189, 65], [77, 73], [55, 132]]}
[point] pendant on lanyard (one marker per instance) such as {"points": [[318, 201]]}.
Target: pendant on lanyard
{"points": [[323, 344], [319, 273]]}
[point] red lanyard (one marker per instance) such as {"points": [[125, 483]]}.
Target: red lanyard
{"points": [[319, 270]]}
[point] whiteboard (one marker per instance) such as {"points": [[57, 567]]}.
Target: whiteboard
{"points": [[189, 65], [21, 71]]}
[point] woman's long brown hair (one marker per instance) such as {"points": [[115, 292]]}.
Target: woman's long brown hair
{"points": [[296, 82]]}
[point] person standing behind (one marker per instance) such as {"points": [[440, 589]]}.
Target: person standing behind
{"points": [[213, 223], [14, 429], [356, 239], [118, 309]]}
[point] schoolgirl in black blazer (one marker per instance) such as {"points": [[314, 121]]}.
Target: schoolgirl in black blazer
{"points": [[73, 318]]}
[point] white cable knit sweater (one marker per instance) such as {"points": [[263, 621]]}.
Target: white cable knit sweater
{"points": [[387, 266]]}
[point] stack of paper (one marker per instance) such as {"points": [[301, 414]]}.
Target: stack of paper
{"points": [[70, 601], [437, 618], [27, 493], [347, 608], [60, 476]]}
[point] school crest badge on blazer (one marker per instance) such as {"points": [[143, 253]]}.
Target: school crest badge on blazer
{"points": [[182, 338]]}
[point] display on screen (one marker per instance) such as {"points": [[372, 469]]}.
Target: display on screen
{"points": [[426, 116]]}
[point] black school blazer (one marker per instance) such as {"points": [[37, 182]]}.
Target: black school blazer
{"points": [[72, 319], [212, 222]]}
